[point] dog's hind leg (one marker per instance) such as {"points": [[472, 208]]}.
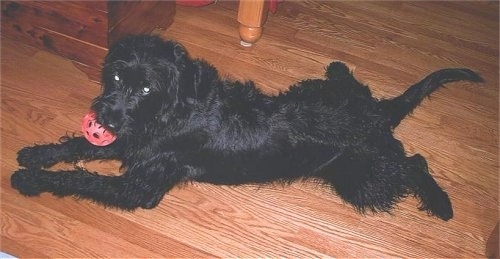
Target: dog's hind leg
{"points": [[341, 77], [367, 183], [69, 150], [378, 183], [337, 71], [432, 198]]}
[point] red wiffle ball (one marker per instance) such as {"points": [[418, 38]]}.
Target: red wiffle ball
{"points": [[94, 132]]}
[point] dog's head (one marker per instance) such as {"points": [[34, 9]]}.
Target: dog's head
{"points": [[145, 77]]}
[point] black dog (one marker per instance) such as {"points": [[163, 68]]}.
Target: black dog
{"points": [[177, 121]]}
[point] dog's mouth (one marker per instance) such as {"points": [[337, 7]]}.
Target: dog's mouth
{"points": [[119, 126], [111, 127], [109, 120]]}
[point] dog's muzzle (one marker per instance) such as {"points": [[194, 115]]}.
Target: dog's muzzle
{"points": [[110, 113]]}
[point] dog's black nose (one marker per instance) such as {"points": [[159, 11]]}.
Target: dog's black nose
{"points": [[109, 122], [112, 125]]}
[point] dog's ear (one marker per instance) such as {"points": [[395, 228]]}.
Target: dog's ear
{"points": [[176, 53], [204, 76], [180, 54], [173, 62], [195, 75], [196, 80]]}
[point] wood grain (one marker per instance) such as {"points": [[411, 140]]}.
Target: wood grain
{"points": [[389, 46], [83, 22], [82, 31]]}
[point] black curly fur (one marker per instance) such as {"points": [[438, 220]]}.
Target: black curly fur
{"points": [[177, 121]]}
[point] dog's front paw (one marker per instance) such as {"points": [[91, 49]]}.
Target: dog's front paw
{"points": [[27, 182], [35, 157]]}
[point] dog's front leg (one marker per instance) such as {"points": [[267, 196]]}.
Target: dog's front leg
{"points": [[69, 150], [140, 188]]}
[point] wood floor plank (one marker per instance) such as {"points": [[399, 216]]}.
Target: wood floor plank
{"points": [[389, 46]]}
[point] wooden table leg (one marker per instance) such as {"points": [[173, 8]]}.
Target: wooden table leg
{"points": [[252, 15]]}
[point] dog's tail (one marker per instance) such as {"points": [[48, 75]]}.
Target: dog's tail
{"points": [[398, 108]]}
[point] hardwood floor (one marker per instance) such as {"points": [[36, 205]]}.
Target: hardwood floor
{"points": [[389, 45]]}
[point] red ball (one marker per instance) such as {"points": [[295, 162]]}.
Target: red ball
{"points": [[95, 133]]}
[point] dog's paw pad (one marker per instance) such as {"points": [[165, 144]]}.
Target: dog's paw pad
{"points": [[26, 182]]}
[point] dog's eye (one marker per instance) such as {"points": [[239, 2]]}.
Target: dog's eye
{"points": [[146, 90], [117, 78]]}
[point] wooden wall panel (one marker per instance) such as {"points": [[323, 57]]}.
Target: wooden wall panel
{"points": [[60, 44], [82, 31], [65, 18]]}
